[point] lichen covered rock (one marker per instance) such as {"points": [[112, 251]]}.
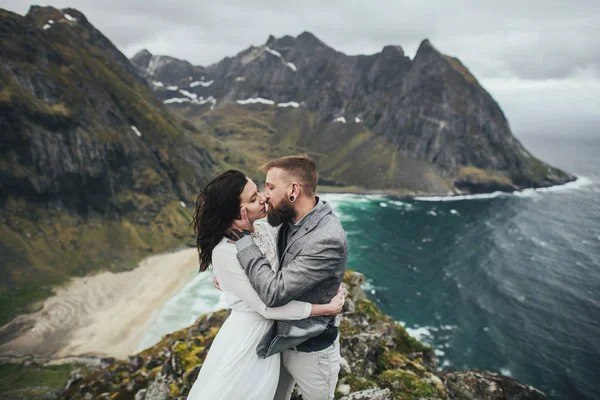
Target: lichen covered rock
{"points": [[485, 385]]}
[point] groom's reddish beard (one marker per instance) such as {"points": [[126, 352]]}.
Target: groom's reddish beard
{"points": [[283, 213]]}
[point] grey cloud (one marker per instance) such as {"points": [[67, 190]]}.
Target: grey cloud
{"points": [[535, 39], [539, 58]]}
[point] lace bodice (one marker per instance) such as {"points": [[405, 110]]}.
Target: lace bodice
{"points": [[265, 237]]}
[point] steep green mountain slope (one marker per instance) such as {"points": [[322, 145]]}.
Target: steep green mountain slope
{"points": [[94, 172]]}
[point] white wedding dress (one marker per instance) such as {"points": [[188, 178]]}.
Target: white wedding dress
{"points": [[232, 369]]}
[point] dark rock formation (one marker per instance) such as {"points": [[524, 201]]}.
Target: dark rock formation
{"points": [[485, 385], [431, 126], [73, 111]]}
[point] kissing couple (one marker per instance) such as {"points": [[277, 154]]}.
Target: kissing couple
{"points": [[281, 281]]}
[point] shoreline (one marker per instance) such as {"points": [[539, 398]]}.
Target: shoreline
{"points": [[410, 195], [101, 315]]}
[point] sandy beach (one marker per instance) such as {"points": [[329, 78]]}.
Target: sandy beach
{"points": [[105, 314]]}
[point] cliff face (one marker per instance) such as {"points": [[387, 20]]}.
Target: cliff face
{"points": [[379, 361], [92, 167], [380, 121]]}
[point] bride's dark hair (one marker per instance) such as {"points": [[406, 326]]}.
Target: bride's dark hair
{"points": [[217, 206]]}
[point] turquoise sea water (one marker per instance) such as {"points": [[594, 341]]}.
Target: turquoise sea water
{"points": [[508, 283]]}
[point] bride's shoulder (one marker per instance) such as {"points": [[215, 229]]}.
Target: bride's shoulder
{"points": [[224, 245]]}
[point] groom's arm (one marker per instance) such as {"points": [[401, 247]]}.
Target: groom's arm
{"points": [[318, 261]]}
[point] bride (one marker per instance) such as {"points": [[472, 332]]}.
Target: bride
{"points": [[232, 369]]}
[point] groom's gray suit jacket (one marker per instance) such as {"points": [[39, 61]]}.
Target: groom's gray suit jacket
{"points": [[311, 269]]}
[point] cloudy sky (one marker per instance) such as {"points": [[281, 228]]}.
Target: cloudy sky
{"points": [[540, 59]]}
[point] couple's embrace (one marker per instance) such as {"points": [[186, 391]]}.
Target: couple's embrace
{"points": [[281, 281]]}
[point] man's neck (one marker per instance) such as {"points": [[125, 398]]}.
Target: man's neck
{"points": [[303, 206]]}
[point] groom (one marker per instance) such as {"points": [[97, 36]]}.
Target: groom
{"points": [[312, 249]]}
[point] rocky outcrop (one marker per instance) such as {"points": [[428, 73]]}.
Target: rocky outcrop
{"points": [[384, 121], [379, 361], [485, 385]]}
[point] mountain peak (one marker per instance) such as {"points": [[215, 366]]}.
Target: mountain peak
{"points": [[393, 50], [39, 9], [309, 38], [73, 15], [142, 53], [425, 46], [39, 14]]}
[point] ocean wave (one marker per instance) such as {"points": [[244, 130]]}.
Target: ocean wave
{"points": [[422, 334], [484, 196], [367, 286], [197, 297], [578, 184], [344, 217], [353, 197]]}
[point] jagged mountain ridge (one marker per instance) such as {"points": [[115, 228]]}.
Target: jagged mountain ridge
{"points": [[94, 171], [441, 131]]}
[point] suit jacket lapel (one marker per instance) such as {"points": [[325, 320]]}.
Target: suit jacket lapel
{"points": [[308, 226]]}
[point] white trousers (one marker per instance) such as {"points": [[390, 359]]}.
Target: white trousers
{"points": [[315, 373]]}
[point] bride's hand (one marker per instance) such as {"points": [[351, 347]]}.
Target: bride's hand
{"points": [[240, 227], [337, 303]]}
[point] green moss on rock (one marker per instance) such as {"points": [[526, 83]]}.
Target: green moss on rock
{"points": [[347, 329], [406, 385], [358, 383], [405, 343], [369, 308], [189, 354]]}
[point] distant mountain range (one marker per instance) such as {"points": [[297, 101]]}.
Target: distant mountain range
{"points": [[96, 171], [382, 121]]}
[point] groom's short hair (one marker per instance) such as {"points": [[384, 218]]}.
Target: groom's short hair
{"points": [[301, 167]]}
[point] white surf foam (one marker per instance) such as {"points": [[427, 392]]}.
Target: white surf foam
{"points": [[461, 197], [578, 184], [422, 334], [362, 198]]}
